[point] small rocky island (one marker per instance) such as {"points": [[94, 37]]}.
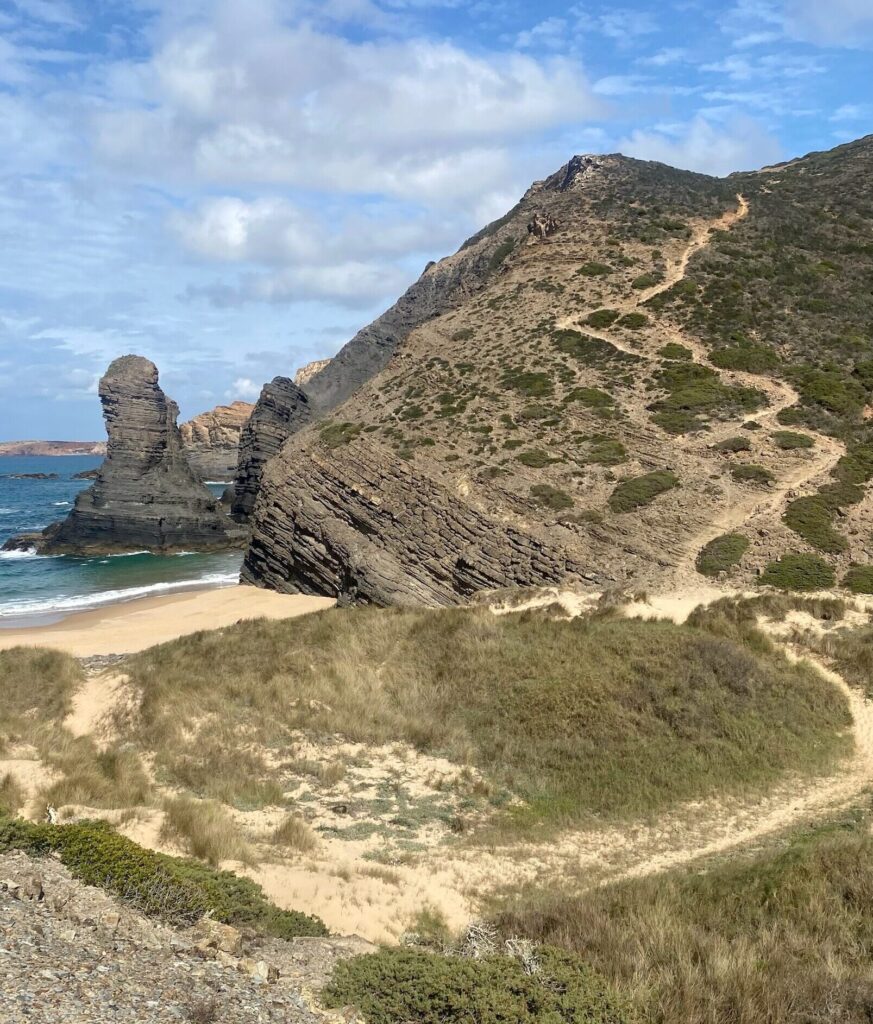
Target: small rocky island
{"points": [[145, 495]]}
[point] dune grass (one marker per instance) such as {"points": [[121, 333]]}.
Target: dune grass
{"points": [[582, 718], [205, 830], [783, 937]]}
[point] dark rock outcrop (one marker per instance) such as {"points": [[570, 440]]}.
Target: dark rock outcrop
{"points": [[87, 474], [145, 496], [352, 524], [212, 440], [281, 409]]}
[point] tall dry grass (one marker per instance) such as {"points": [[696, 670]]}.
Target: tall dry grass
{"points": [[206, 831]]}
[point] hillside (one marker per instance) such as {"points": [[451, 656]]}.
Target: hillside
{"points": [[635, 364], [32, 448]]}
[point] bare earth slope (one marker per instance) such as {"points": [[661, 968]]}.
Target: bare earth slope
{"points": [[586, 358]]}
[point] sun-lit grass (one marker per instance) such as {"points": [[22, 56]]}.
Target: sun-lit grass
{"points": [[577, 718], [782, 938], [292, 833], [205, 830]]}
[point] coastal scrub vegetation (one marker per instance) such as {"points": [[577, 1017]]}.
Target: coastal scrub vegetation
{"points": [[782, 936], [721, 554], [798, 572], [590, 717], [641, 490]]}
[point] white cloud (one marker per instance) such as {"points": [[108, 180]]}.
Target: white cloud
{"points": [[703, 146], [243, 387], [835, 23]]}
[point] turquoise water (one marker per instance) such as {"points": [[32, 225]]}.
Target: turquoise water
{"points": [[40, 589]]}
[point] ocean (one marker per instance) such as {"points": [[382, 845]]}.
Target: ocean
{"points": [[44, 589]]}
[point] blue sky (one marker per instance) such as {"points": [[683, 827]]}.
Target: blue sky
{"points": [[233, 188]]}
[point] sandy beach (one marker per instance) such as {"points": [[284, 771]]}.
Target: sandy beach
{"points": [[136, 625]]}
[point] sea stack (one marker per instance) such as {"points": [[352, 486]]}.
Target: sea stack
{"points": [[282, 409], [145, 496]]}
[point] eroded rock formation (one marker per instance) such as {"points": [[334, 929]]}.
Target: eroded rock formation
{"points": [[146, 495], [350, 523], [305, 374], [281, 409], [212, 440]]}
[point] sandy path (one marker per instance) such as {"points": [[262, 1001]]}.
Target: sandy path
{"points": [[780, 396], [136, 625]]}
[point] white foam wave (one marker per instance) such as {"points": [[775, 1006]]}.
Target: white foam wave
{"points": [[6, 511], [61, 504], [82, 602], [26, 553], [218, 483]]}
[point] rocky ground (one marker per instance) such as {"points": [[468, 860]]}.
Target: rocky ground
{"points": [[70, 954]]}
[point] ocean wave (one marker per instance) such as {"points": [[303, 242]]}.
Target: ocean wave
{"points": [[7, 511], [61, 504], [26, 553], [83, 602], [218, 483]]}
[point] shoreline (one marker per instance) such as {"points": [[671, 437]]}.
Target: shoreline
{"points": [[130, 626]]}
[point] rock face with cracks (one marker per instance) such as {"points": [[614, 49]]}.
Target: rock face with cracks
{"points": [[145, 496], [281, 409], [347, 523], [212, 440]]}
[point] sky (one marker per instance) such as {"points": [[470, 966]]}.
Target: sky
{"points": [[233, 187]]}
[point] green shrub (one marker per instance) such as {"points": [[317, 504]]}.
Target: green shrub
{"points": [[648, 280], [641, 490], [533, 385], [859, 579], [752, 425], [747, 356], [633, 321], [673, 350], [399, 985], [788, 440], [177, 890], [464, 334], [594, 269], [605, 451], [694, 390], [798, 572], [536, 458], [811, 519], [733, 444], [752, 474], [335, 434], [588, 350], [411, 412], [721, 554], [591, 398], [602, 318], [551, 497], [500, 254]]}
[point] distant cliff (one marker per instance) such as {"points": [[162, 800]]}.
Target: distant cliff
{"points": [[212, 440], [30, 448]]}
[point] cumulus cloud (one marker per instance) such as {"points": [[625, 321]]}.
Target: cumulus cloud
{"points": [[701, 145], [836, 23], [244, 387]]}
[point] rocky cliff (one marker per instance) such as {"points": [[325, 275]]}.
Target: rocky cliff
{"points": [[305, 374], [212, 440], [281, 408], [52, 448], [599, 385], [146, 495]]}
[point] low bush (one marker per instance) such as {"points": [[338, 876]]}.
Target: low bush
{"points": [[641, 490], [528, 383], [536, 458], [590, 351], [602, 318], [594, 269], [733, 444], [171, 888], [605, 451], [551, 497], [811, 518], [788, 440], [673, 350], [859, 579], [335, 434], [398, 985], [721, 554], [591, 398], [752, 474], [648, 280], [633, 321], [798, 572], [748, 357]]}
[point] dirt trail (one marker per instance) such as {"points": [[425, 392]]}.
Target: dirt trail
{"points": [[780, 396]]}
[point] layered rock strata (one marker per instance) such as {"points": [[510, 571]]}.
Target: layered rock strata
{"points": [[146, 496], [281, 409], [212, 440], [349, 523]]}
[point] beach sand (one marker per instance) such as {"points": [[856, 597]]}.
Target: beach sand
{"points": [[136, 625]]}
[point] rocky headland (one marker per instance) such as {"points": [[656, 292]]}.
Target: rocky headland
{"points": [[36, 448], [146, 496]]}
